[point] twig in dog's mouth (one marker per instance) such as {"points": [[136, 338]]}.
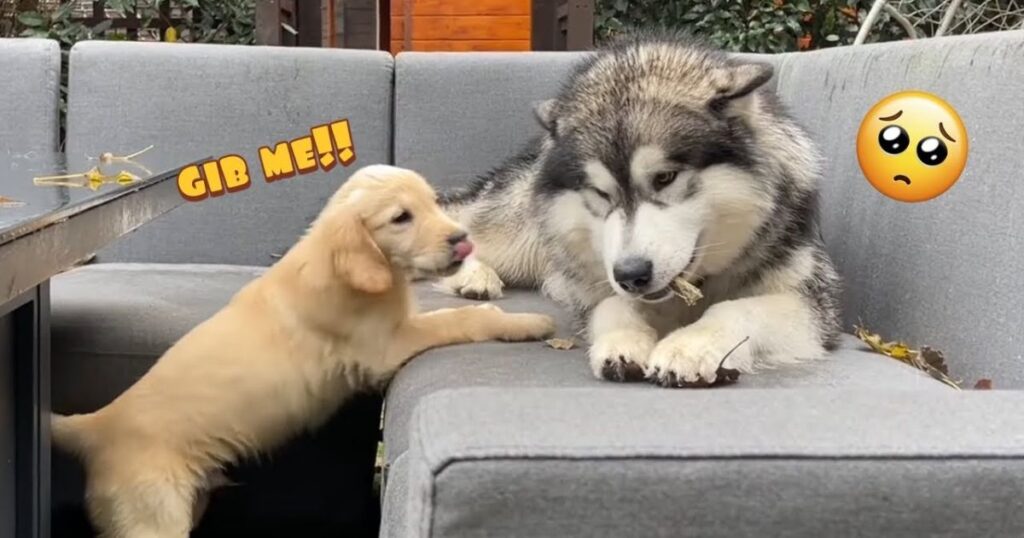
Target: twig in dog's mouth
{"points": [[686, 291]]}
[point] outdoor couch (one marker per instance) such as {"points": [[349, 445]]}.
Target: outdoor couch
{"points": [[502, 439]]}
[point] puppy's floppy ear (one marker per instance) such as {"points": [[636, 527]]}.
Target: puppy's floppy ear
{"points": [[348, 253], [735, 85], [544, 111]]}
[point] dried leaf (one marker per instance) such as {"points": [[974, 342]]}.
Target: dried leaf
{"points": [[686, 291], [934, 359], [926, 359], [10, 202], [560, 343], [983, 384]]}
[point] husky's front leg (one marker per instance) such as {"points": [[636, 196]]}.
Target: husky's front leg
{"points": [[621, 341], [774, 329]]}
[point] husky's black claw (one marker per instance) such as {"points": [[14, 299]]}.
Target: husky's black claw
{"points": [[621, 370]]}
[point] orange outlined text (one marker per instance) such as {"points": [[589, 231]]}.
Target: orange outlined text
{"points": [[325, 147]]}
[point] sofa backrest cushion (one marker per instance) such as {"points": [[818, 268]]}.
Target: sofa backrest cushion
{"points": [[944, 272], [195, 100], [459, 115], [30, 85]]}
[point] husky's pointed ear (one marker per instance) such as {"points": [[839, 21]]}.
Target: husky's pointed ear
{"points": [[345, 252], [736, 84], [544, 111]]}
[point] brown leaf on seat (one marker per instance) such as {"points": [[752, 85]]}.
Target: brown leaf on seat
{"points": [[934, 359], [10, 202], [928, 360], [983, 384]]}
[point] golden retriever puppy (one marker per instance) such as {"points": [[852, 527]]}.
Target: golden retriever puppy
{"points": [[334, 316]]}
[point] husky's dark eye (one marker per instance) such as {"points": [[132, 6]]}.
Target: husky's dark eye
{"points": [[664, 179], [402, 218], [932, 151], [893, 139], [602, 194]]}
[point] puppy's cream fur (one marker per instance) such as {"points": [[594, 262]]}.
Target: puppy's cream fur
{"points": [[335, 315]]}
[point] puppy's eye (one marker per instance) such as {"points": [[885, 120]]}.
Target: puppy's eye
{"points": [[663, 179], [402, 218]]}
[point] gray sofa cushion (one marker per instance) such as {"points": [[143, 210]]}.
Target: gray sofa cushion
{"points": [[594, 462], [29, 118], [111, 321], [534, 364], [943, 272], [459, 115], [193, 100]]}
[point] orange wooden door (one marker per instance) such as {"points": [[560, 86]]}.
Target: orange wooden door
{"points": [[460, 25]]}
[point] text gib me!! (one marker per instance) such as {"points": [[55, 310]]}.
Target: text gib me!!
{"points": [[325, 147]]}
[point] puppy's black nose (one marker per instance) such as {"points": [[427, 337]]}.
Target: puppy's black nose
{"points": [[457, 237], [633, 274]]}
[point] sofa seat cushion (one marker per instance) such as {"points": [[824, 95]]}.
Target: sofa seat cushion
{"points": [[111, 321], [606, 462], [534, 364]]}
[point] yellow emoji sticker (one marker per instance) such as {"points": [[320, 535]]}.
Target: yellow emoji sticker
{"points": [[912, 146]]}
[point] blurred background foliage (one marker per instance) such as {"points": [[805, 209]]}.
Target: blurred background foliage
{"points": [[751, 25]]}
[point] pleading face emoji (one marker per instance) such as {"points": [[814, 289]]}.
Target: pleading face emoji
{"points": [[912, 146]]}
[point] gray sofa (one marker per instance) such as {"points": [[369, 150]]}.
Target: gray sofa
{"points": [[520, 439]]}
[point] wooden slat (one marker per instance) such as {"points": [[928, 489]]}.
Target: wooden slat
{"points": [[493, 45], [511, 27], [463, 7]]}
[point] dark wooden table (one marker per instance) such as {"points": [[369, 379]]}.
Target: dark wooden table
{"points": [[45, 230]]}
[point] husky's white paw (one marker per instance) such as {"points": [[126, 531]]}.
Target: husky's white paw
{"points": [[474, 281], [620, 355], [691, 356]]}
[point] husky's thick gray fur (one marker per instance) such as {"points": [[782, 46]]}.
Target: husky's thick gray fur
{"points": [[662, 157]]}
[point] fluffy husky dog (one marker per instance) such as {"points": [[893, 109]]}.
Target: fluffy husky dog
{"points": [[662, 157]]}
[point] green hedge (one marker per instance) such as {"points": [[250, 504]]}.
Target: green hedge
{"points": [[750, 25]]}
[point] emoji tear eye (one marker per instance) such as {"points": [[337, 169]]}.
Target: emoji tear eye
{"points": [[932, 151], [893, 139]]}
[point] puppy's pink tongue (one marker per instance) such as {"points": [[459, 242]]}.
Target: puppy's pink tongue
{"points": [[462, 250]]}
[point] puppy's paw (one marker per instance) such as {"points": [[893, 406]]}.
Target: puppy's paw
{"points": [[620, 355], [474, 281], [693, 357], [525, 327]]}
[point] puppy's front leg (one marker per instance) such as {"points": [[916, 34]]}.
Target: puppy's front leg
{"points": [[774, 329], [478, 323], [621, 341]]}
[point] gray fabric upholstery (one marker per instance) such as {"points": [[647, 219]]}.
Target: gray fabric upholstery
{"points": [[456, 116], [30, 85], [211, 100], [594, 462], [942, 272], [111, 321], [533, 364]]}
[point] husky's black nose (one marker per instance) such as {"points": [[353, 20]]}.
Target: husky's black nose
{"points": [[633, 274]]}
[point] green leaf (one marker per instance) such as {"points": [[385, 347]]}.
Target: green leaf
{"points": [[832, 38], [103, 26], [31, 19]]}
